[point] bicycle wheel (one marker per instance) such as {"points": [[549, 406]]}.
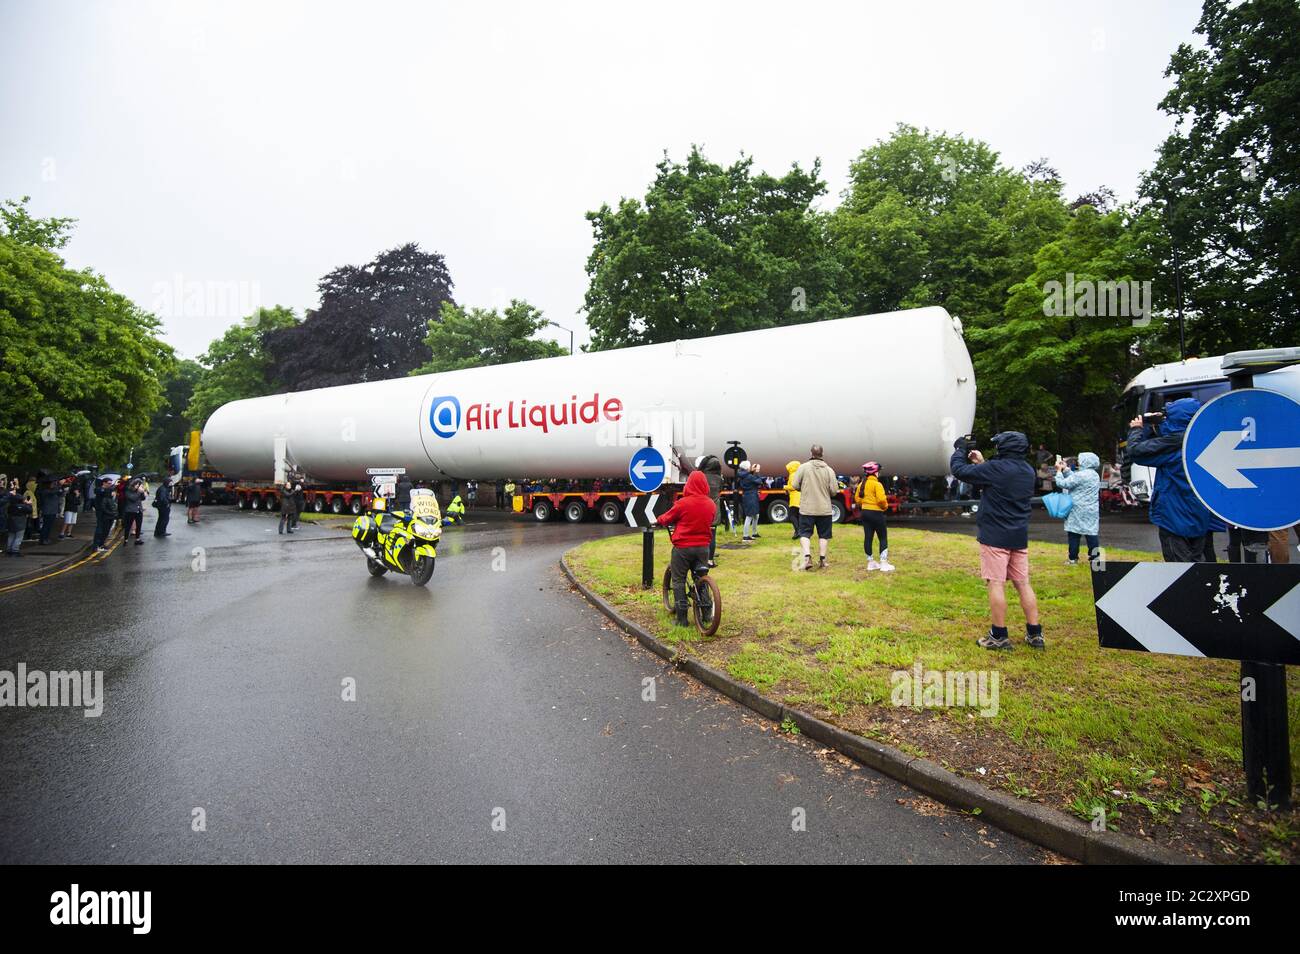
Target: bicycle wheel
{"points": [[710, 626], [669, 603]]}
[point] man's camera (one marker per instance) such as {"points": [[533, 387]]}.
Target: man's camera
{"points": [[966, 443]]}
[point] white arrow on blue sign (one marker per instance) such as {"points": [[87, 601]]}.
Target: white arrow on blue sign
{"points": [[647, 469], [1242, 455]]}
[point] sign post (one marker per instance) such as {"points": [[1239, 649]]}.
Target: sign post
{"points": [[1241, 454], [646, 471]]}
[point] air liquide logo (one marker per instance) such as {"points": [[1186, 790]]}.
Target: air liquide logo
{"points": [[444, 415]]}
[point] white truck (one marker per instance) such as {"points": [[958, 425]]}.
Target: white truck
{"points": [[1200, 378]]}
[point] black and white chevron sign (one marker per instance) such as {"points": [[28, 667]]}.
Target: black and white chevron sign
{"points": [[638, 508], [1216, 610]]}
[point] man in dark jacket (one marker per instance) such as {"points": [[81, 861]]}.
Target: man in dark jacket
{"points": [[711, 468], [133, 511], [692, 517], [162, 501], [50, 497], [16, 512], [105, 513], [402, 493], [289, 503], [1007, 483], [1176, 511]]}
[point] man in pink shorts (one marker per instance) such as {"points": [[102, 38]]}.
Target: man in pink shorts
{"points": [[1007, 487]]}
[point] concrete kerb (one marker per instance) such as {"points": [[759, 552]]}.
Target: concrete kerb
{"points": [[1032, 821]]}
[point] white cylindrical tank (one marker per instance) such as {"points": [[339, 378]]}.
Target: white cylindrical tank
{"points": [[897, 388]]}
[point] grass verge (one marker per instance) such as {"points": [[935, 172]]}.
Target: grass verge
{"points": [[1153, 742]]}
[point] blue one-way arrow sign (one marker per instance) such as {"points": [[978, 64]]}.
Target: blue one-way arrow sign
{"points": [[1242, 454], [647, 469]]}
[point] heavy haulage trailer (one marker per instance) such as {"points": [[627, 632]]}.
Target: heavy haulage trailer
{"points": [[897, 388]]}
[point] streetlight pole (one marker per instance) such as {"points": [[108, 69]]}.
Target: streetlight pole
{"points": [[562, 328]]}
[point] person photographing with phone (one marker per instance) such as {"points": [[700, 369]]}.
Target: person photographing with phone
{"points": [[1007, 484]]}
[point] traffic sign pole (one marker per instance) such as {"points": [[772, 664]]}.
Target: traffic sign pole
{"points": [[646, 472], [647, 558], [1265, 743]]}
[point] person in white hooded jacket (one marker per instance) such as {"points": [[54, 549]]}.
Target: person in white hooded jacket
{"points": [[1084, 519]]}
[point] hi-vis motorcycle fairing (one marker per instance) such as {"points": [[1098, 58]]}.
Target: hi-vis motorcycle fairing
{"points": [[399, 540]]}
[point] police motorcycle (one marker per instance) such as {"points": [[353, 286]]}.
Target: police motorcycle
{"points": [[402, 540]]}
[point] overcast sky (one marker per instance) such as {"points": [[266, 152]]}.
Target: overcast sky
{"points": [[224, 155]]}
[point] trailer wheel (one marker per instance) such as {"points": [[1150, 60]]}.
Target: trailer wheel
{"points": [[255, 502], [610, 512], [542, 510], [318, 504], [356, 507], [575, 511], [778, 511], [242, 502], [837, 512], [336, 505]]}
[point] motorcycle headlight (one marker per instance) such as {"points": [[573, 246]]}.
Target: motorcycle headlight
{"points": [[425, 529]]}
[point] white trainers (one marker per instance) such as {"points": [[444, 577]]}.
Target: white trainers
{"points": [[872, 565], [886, 566]]}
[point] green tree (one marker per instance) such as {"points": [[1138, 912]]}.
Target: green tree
{"points": [[1225, 181], [236, 365], [933, 219], [79, 363], [169, 426], [474, 337], [1073, 332], [710, 250], [20, 226]]}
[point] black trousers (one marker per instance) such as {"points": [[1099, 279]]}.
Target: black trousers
{"points": [[873, 524], [130, 520], [1176, 549], [103, 527], [164, 515], [682, 560]]}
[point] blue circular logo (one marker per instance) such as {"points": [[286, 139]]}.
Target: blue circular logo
{"points": [[444, 416]]}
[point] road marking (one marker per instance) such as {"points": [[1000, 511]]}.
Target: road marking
{"points": [[87, 559]]}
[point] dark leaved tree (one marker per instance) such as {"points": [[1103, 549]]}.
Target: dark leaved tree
{"points": [[371, 323]]}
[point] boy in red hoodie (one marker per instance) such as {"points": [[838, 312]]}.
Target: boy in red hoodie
{"points": [[692, 516]]}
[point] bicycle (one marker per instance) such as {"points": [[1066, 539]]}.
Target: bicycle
{"points": [[699, 584]]}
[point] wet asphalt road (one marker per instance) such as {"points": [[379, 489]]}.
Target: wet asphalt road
{"points": [[489, 694]]}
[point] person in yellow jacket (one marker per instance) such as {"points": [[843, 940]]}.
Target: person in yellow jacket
{"points": [[871, 500], [790, 468], [455, 512]]}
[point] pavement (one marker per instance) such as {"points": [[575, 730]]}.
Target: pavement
{"points": [[498, 717], [37, 560]]}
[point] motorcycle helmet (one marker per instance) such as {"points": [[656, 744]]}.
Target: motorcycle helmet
{"points": [[870, 467]]}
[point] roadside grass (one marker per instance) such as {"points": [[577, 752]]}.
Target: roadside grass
{"points": [[1141, 736]]}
